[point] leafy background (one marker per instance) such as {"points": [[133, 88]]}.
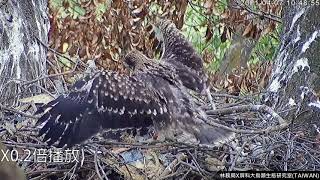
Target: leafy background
{"points": [[104, 31]]}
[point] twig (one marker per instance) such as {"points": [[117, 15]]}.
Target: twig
{"points": [[186, 174], [51, 170], [24, 145], [96, 165], [49, 76], [229, 96], [262, 131], [18, 112], [194, 161], [155, 144], [234, 160], [100, 167], [172, 165], [73, 171], [58, 53], [247, 108], [262, 14]]}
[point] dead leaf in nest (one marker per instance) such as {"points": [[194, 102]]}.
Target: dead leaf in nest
{"points": [[139, 164], [38, 99], [9, 127], [214, 164], [65, 47], [26, 123], [119, 150]]}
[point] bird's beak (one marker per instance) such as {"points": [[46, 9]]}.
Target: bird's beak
{"points": [[127, 68], [157, 32], [158, 20], [130, 72]]}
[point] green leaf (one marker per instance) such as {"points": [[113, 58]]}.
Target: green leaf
{"points": [[79, 10]]}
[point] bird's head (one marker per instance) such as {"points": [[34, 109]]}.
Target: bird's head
{"points": [[163, 27], [164, 24], [136, 61], [165, 31]]}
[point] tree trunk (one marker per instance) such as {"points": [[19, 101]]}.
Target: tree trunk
{"points": [[237, 55], [294, 87], [22, 57]]}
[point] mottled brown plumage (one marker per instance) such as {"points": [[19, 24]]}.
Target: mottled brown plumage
{"points": [[179, 53], [155, 94], [186, 120], [105, 100]]}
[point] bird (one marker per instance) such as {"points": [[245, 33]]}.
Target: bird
{"points": [[155, 94], [179, 52]]}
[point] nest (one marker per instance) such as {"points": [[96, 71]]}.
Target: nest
{"points": [[263, 141]]}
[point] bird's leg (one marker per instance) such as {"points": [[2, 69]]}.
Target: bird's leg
{"points": [[213, 105]]}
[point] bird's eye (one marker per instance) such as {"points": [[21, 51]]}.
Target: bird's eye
{"points": [[130, 63]]}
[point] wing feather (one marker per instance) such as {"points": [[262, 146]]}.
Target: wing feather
{"points": [[179, 52], [107, 100]]}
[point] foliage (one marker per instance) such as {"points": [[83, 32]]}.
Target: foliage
{"points": [[68, 8], [266, 47], [106, 30], [205, 37]]}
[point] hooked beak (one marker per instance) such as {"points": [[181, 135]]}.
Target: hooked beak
{"points": [[128, 68]]}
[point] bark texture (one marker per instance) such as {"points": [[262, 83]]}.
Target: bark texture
{"points": [[22, 58], [294, 87]]}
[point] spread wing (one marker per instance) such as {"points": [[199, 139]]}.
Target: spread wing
{"points": [[180, 53], [107, 100]]}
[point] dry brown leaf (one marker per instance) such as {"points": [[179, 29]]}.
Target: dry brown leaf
{"points": [[248, 29]]}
